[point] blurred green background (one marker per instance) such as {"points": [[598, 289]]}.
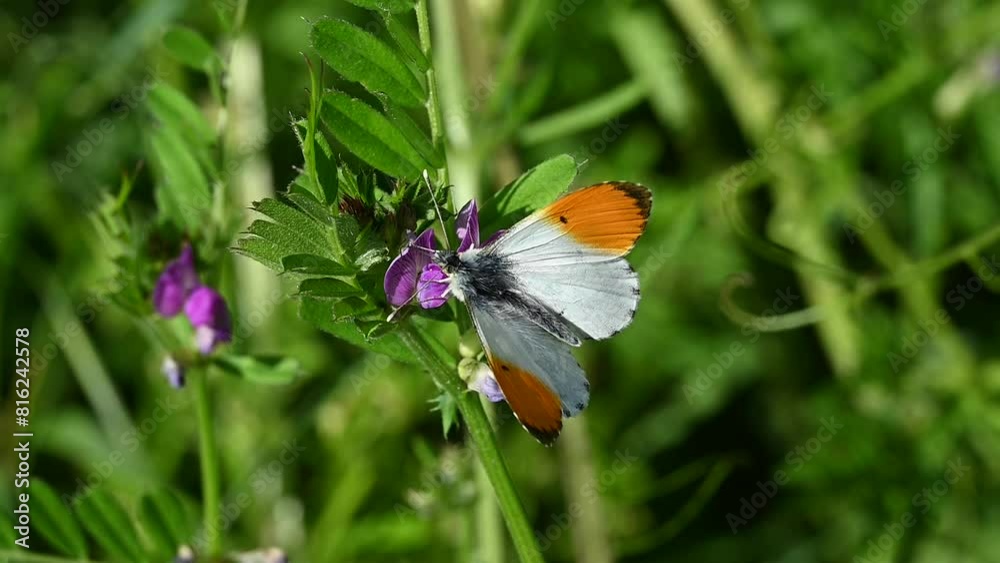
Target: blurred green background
{"points": [[841, 159]]}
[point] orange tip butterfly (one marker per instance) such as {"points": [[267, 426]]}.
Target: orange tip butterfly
{"points": [[554, 279]]}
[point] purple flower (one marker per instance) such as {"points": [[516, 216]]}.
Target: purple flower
{"points": [[484, 383], [207, 311], [401, 278], [467, 226], [173, 371], [179, 288], [176, 282], [433, 289], [413, 274]]}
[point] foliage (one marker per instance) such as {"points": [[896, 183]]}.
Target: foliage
{"points": [[821, 245]]}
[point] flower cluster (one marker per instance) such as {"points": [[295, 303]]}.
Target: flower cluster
{"points": [[180, 289], [414, 274]]}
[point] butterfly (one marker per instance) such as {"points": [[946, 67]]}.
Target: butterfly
{"points": [[554, 279]]}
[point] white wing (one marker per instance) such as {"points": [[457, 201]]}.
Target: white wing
{"points": [[568, 256], [539, 377]]}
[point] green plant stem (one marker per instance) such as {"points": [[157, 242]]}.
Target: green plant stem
{"points": [[433, 105], [209, 461], [525, 22], [446, 376], [463, 166], [585, 115], [904, 276], [489, 537]]}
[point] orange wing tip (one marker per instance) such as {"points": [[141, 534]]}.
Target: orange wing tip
{"points": [[535, 405], [609, 216]]}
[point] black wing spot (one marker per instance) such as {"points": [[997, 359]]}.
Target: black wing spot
{"points": [[563, 219], [579, 406], [505, 367]]}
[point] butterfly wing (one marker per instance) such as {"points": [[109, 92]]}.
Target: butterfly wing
{"points": [[569, 256], [539, 377]]}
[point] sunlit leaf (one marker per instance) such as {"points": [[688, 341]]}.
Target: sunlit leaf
{"points": [[407, 43], [309, 264], [328, 288], [370, 136], [535, 188], [361, 57]]}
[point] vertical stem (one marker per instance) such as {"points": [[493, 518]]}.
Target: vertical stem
{"points": [[591, 542], [490, 533], [446, 377], [209, 463], [433, 105], [463, 164]]}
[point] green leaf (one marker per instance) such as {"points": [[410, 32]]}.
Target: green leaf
{"points": [[55, 522], [394, 6], [183, 192], [449, 411], [166, 521], [155, 526], [312, 265], [270, 370], [262, 250], [293, 232], [370, 136], [414, 133], [650, 48], [190, 48], [328, 288], [406, 41], [361, 57], [110, 526], [320, 314], [535, 188], [173, 109], [307, 204]]}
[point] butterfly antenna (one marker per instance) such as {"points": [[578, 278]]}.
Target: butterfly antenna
{"points": [[430, 190]]}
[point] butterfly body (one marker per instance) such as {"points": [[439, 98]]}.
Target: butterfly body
{"points": [[556, 278]]}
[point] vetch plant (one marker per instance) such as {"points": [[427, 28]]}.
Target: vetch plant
{"points": [[344, 229]]}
